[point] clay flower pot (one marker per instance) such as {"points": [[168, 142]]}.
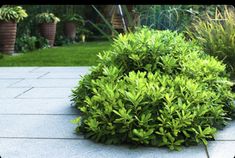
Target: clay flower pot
{"points": [[7, 36], [48, 31], [70, 30], [9, 16]]}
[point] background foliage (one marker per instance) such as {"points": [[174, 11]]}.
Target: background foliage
{"points": [[216, 34]]}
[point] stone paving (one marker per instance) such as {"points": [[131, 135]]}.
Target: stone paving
{"points": [[35, 114]]}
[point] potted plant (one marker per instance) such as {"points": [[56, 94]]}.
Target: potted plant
{"points": [[47, 26], [9, 17], [70, 22]]}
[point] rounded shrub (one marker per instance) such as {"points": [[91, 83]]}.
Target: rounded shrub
{"points": [[154, 88]]}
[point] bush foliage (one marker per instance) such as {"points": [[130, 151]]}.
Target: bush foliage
{"points": [[154, 88], [217, 35]]}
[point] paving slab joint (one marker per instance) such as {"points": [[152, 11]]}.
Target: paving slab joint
{"points": [[34, 69], [43, 75], [23, 92], [207, 152], [10, 86]]}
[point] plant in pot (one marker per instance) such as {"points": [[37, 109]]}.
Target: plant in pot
{"points": [[71, 21], [47, 26], [9, 17]]}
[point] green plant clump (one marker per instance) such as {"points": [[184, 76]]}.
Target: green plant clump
{"points": [[27, 43], [154, 88], [217, 36], [14, 14], [47, 18]]}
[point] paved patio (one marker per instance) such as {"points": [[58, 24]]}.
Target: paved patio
{"points": [[35, 116]]}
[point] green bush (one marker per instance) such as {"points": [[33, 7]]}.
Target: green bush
{"points": [[42, 43], [154, 88], [216, 35], [27, 43]]}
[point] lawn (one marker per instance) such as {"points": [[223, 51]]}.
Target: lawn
{"points": [[81, 54]]}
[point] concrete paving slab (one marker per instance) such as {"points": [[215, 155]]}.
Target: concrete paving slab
{"points": [[228, 133], [20, 75], [8, 82], [221, 149], [64, 75], [11, 92], [36, 106], [38, 126], [57, 83], [16, 69], [62, 69], [53, 93], [35, 148]]}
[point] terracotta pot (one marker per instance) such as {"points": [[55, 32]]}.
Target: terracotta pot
{"points": [[7, 36], [70, 30], [48, 31]]}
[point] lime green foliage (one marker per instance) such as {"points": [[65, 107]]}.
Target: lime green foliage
{"points": [[217, 35], [47, 18], [15, 14], [154, 88], [82, 54]]}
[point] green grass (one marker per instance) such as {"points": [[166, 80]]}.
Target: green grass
{"points": [[81, 54]]}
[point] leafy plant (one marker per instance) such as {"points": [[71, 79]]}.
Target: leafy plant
{"points": [[42, 43], [61, 40], [216, 35], [154, 88], [26, 43], [46, 18], [15, 14], [73, 18]]}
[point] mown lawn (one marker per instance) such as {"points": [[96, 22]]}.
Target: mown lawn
{"points": [[81, 54]]}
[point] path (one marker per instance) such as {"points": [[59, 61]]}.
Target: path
{"points": [[35, 116]]}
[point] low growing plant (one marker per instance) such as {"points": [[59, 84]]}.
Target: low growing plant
{"points": [[154, 88], [26, 43]]}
